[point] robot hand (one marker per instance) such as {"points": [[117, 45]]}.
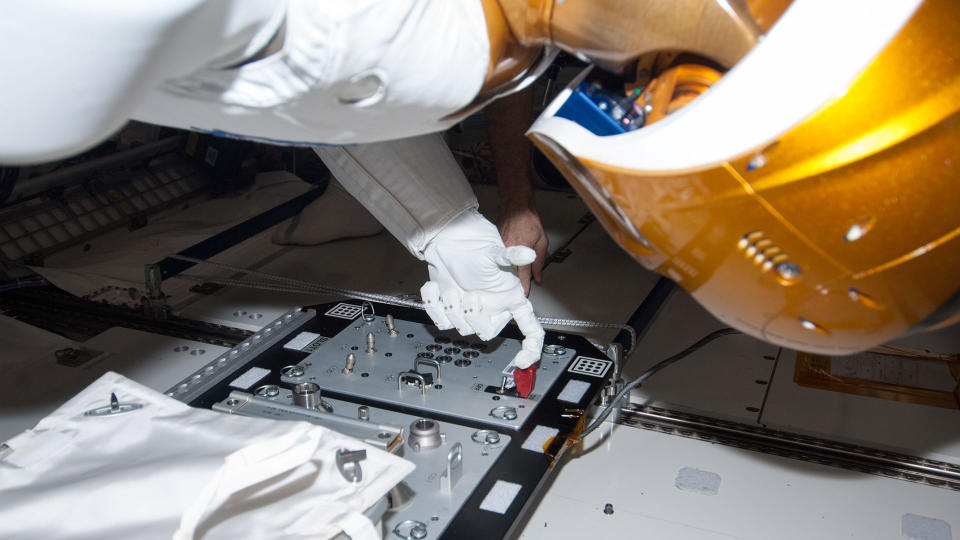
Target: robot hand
{"points": [[470, 292]]}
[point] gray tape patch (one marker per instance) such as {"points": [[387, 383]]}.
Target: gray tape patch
{"points": [[500, 496], [697, 481], [573, 391], [251, 376], [914, 527], [539, 437], [302, 340]]}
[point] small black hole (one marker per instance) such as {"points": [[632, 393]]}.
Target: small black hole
{"points": [[438, 386], [496, 398], [410, 336], [753, 409], [388, 354], [760, 381], [768, 357], [354, 348], [364, 374]]}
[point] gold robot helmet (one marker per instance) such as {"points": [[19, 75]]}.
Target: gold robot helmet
{"points": [[802, 184]]}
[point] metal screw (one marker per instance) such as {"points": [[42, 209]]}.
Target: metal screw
{"points": [[363, 413], [391, 328], [351, 361], [371, 341], [789, 270], [757, 161]]}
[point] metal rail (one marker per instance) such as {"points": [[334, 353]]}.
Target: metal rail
{"points": [[791, 445], [57, 311]]}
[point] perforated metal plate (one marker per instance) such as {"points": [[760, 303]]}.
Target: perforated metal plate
{"points": [[468, 369]]}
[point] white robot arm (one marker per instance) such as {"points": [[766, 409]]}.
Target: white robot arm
{"points": [[416, 189]]}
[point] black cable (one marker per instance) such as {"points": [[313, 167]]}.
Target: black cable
{"points": [[653, 370]]}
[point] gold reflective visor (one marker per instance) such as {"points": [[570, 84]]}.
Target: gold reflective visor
{"points": [[840, 234]]}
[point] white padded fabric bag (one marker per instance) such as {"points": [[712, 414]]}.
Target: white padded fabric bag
{"points": [[169, 470]]}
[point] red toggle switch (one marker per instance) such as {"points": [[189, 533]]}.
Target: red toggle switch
{"points": [[525, 379]]}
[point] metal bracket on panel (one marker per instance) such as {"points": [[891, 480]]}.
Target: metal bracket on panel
{"points": [[415, 377], [348, 463], [386, 437], [156, 304], [427, 362], [453, 471]]}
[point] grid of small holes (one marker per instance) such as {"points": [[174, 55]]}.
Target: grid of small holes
{"points": [[344, 311], [53, 225], [593, 367]]}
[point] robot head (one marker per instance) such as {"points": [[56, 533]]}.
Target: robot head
{"points": [[806, 196]]}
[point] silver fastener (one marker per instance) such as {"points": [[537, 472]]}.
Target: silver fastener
{"points": [[363, 413], [859, 229], [348, 367], [757, 161], [367, 317], [268, 390], [485, 436], [504, 412], [789, 270], [371, 341], [307, 395], [391, 327], [293, 371]]}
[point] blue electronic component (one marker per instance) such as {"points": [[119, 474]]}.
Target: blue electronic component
{"points": [[602, 112]]}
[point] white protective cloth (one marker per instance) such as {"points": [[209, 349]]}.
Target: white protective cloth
{"points": [[348, 71], [169, 469], [416, 189]]}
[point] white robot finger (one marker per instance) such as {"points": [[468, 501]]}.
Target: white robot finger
{"points": [[533, 334], [513, 256], [430, 294], [487, 323], [452, 303]]}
